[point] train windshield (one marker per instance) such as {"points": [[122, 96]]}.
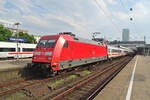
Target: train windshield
{"points": [[47, 43]]}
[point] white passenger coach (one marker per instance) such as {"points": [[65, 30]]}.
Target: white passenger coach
{"points": [[114, 52], [9, 50]]}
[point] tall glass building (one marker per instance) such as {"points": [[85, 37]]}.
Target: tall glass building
{"points": [[125, 35]]}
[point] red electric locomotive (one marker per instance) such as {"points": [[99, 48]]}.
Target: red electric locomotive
{"points": [[65, 50]]}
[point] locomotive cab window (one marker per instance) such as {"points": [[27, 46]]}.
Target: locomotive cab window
{"points": [[66, 44], [47, 43]]}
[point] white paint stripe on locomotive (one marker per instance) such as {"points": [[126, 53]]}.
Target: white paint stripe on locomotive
{"points": [[128, 96]]}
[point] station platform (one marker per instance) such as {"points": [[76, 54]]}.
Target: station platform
{"points": [[7, 65], [132, 83]]}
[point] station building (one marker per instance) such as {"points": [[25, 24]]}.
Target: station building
{"points": [[140, 46], [14, 30]]}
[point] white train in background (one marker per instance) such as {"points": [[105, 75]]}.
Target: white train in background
{"points": [[114, 52], [9, 50]]}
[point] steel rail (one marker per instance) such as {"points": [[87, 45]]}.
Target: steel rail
{"points": [[12, 83], [61, 95], [33, 83], [105, 82]]}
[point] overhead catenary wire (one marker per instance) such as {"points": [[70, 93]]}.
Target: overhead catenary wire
{"points": [[122, 4], [126, 8], [110, 19], [133, 23]]}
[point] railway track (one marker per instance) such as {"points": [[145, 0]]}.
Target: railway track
{"points": [[30, 81], [23, 83], [88, 88]]}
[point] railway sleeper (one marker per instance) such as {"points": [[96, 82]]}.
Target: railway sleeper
{"points": [[37, 91]]}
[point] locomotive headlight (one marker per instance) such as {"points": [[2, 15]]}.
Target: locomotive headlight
{"points": [[48, 53], [37, 53]]}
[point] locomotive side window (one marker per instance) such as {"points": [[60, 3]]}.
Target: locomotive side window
{"points": [[47, 43], [7, 49], [66, 44]]}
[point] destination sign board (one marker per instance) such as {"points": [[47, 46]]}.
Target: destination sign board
{"points": [[17, 39]]}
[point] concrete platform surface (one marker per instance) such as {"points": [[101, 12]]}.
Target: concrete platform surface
{"points": [[132, 83], [7, 65]]}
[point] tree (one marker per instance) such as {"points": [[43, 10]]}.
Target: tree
{"points": [[4, 33], [29, 38]]}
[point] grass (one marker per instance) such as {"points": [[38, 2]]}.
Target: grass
{"points": [[58, 82], [16, 96], [72, 77], [61, 81], [87, 72]]}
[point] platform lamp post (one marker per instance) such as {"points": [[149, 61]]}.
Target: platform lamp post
{"points": [[17, 24], [144, 45]]}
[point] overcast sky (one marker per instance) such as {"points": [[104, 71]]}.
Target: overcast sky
{"points": [[82, 17]]}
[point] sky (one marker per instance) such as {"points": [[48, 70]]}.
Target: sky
{"points": [[82, 17]]}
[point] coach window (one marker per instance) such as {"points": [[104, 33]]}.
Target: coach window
{"points": [[7, 49], [28, 49], [66, 44], [1, 49], [113, 50], [12, 49], [108, 50], [126, 51]]}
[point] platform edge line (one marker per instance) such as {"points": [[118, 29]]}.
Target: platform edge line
{"points": [[128, 96]]}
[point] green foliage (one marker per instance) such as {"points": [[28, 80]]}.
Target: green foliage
{"points": [[6, 33], [29, 38], [87, 72]]}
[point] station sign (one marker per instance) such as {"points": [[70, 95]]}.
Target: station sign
{"points": [[17, 39]]}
